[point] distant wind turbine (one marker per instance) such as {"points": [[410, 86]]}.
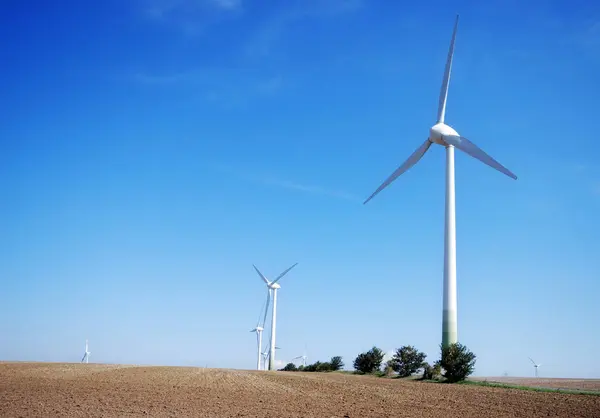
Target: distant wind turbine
{"points": [[447, 137], [86, 354], [273, 286], [535, 365], [259, 329], [303, 357]]}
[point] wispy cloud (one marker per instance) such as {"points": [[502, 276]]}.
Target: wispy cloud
{"points": [[189, 16], [262, 42], [227, 86], [310, 189], [269, 180]]}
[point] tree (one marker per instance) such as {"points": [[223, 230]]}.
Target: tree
{"points": [[336, 363], [370, 361], [457, 361], [407, 360], [290, 367]]}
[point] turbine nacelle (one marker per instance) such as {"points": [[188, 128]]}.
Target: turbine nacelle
{"points": [[274, 286], [438, 131]]}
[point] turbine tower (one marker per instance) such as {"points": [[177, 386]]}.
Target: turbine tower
{"points": [[447, 137], [272, 292], [535, 365], [86, 354], [259, 329]]}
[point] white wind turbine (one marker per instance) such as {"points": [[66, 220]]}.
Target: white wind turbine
{"points": [[447, 137], [259, 329], [303, 357], [86, 354], [535, 365], [272, 286]]}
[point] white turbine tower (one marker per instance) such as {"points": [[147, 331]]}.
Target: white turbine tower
{"points": [[272, 286], [535, 365], [86, 354], [447, 137], [259, 329]]}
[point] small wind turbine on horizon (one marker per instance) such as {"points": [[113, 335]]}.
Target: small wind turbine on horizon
{"points": [[303, 357], [86, 354], [444, 135], [259, 330], [272, 293], [535, 365]]}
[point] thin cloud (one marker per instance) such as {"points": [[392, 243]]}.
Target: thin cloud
{"points": [[225, 86], [191, 17], [269, 33], [284, 184], [310, 189]]}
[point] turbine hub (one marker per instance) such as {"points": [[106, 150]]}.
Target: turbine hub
{"points": [[439, 129], [275, 286]]}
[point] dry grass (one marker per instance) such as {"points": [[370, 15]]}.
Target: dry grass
{"points": [[80, 390]]}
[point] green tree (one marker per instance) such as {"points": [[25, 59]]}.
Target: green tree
{"points": [[369, 361], [336, 363], [290, 367], [407, 360], [457, 361]]}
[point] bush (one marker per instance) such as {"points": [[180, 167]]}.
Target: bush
{"points": [[290, 367], [336, 363], [407, 360], [370, 361], [457, 361], [431, 372], [388, 368]]}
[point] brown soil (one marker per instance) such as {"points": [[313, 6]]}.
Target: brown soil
{"points": [[541, 382], [92, 390]]}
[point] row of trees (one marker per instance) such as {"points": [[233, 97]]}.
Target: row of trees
{"points": [[456, 362], [332, 365]]}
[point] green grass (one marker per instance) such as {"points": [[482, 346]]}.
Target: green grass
{"points": [[530, 388]]}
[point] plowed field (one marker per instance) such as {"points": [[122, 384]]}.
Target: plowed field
{"points": [[91, 390]]}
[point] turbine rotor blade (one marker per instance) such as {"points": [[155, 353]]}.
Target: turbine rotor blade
{"points": [[284, 273], [531, 360], [266, 307], [261, 275], [474, 151], [446, 81], [412, 160]]}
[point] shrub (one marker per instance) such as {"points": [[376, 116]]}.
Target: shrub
{"points": [[290, 367], [431, 372], [457, 361], [408, 360], [336, 363], [370, 361]]}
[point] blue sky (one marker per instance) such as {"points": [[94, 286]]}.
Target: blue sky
{"points": [[153, 150]]}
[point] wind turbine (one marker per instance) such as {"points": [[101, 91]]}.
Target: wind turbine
{"points": [[260, 327], [272, 286], [86, 355], [535, 365], [447, 137], [303, 357]]}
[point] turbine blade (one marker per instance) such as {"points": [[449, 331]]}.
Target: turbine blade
{"points": [[412, 160], [531, 360], [266, 307], [83, 358], [284, 273], [260, 274], [474, 151], [446, 81]]}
